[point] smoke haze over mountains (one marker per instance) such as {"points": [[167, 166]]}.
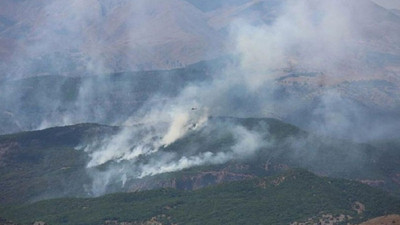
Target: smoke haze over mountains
{"points": [[330, 67]]}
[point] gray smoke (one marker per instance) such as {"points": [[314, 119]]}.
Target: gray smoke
{"points": [[142, 150], [309, 36], [309, 62]]}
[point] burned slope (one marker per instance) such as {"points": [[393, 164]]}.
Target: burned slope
{"points": [[46, 164]]}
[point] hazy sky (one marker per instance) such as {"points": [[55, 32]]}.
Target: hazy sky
{"points": [[390, 4]]}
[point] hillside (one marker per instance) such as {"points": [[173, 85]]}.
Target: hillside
{"points": [[152, 112], [50, 163], [345, 91], [384, 220], [296, 195], [47, 101], [99, 36], [44, 164]]}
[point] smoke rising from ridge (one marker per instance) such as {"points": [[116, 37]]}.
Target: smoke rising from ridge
{"points": [[138, 152], [297, 64], [307, 36]]}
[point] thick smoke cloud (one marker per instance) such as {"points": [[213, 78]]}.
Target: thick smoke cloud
{"points": [[81, 42], [291, 67], [320, 44], [141, 151], [314, 35], [307, 36]]}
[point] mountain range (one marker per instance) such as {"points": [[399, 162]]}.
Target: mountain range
{"points": [[77, 47], [199, 112], [48, 164], [47, 37]]}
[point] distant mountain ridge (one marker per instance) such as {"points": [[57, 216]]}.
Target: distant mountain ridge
{"points": [[118, 36], [80, 41], [45, 101], [152, 112], [100, 36]]}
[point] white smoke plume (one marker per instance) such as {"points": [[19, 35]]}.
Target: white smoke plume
{"points": [[307, 35], [126, 157], [329, 38]]}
